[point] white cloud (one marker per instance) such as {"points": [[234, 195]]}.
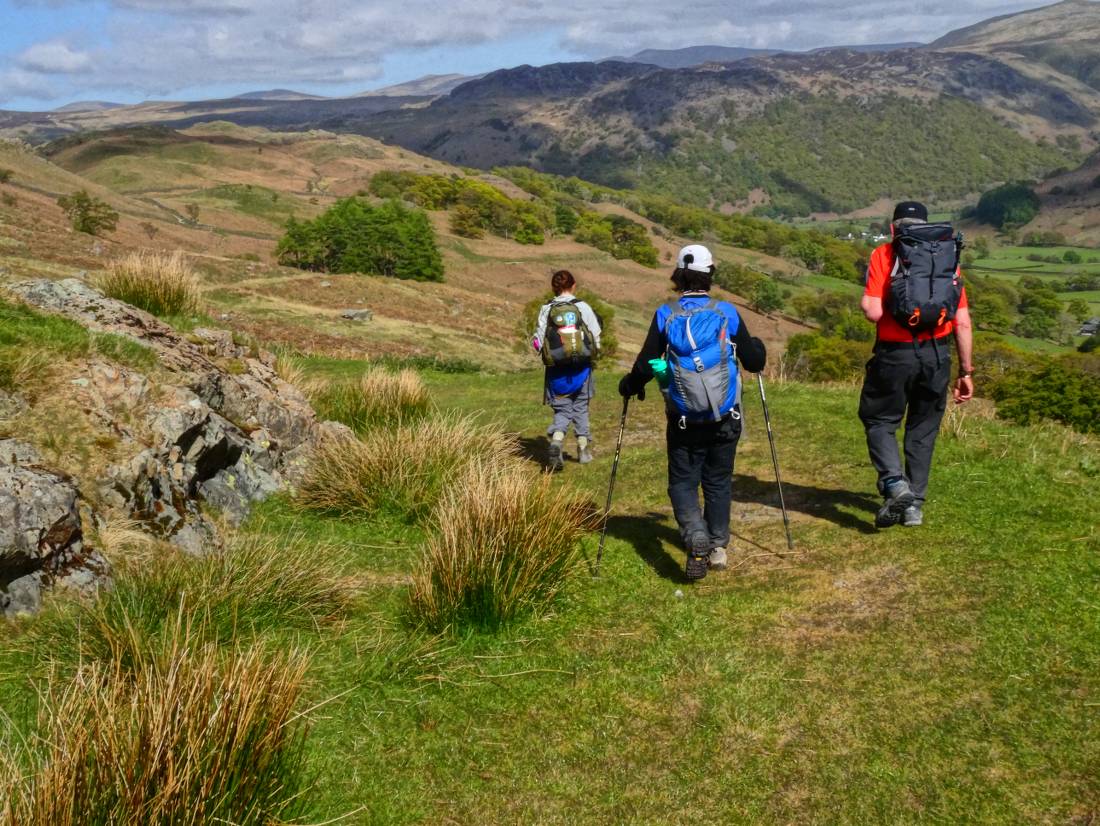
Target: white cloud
{"points": [[54, 57], [161, 46], [17, 83]]}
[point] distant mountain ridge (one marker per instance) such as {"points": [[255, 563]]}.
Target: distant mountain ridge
{"points": [[690, 56], [277, 94], [826, 131]]}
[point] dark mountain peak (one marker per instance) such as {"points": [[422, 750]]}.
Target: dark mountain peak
{"points": [[554, 80]]}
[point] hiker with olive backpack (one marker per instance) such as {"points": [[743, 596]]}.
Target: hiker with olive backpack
{"points": [[568, 339], [915, 297], [693, 347]]}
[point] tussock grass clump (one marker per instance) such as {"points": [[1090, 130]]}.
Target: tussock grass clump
{"points": [[380, 398], [403, 470], [255, 586], [163, 284], [194, 739], [505, 541]]}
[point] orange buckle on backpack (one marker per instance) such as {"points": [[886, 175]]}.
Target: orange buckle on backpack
{"points": [[914, 319], [943, 315]]}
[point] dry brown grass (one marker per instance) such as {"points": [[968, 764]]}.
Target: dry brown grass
{"points": [[160, 283], [403, 470], [26, 369], [505, 542], [290, 371], [379, 398], [196, 738]]}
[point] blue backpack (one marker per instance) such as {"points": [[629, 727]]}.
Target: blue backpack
{"points": [[702, 360]]}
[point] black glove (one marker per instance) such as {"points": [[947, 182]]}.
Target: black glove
{"points": [[628, 388]]}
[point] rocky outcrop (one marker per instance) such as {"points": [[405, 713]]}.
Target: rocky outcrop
{"points": [[212, 430], [41, 532]]}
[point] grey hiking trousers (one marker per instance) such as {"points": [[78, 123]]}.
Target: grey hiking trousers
{"points": [[569, 410], [911, 382]]}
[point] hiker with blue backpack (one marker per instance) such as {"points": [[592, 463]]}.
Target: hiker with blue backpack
{"points": [[915, 297], [693, 347], [568, 339]]}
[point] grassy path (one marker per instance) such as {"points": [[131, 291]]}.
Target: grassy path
{"points": [[948, 674], [945, 674]]}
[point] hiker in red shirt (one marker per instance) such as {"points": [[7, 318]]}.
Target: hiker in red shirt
{"points": [[917, 301]]}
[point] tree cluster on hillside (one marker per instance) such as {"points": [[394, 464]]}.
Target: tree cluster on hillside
{"points": [[1030, 308], [355, 236], [816, 153], [1008, 206], [813, 249], [477, 208]]}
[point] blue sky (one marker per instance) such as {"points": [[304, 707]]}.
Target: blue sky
{"points": [[56, 51]]}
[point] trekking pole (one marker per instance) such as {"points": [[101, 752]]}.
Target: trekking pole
{"points": [[775, 462], [611, 486]]}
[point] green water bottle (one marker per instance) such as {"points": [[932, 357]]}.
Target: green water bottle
{"points": [[660, 371]]}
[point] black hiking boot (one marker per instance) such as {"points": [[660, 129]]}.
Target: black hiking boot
{"points": [[898, 497], [555, 460], [698, 559], [913, 517]]}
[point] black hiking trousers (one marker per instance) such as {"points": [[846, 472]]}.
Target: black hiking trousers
{"points": [[910, 381], [702, 455]]}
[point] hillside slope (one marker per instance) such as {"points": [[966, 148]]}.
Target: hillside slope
{"points": [[243, 184]]}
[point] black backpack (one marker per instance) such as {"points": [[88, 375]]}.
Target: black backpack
{"points": [[569, 342], [925, 288]]}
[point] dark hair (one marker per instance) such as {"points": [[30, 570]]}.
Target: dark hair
{"points": [[561, 281], [689, 280]]}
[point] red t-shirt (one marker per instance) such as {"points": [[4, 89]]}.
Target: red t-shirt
{"points": [[878, 284]]}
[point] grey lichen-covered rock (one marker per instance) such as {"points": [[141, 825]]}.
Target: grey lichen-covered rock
{"points": [[357, 314], [11, 405], [15, 452], [214, 428], [41, 537]]}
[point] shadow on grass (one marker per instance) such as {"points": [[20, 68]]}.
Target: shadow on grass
{"points": [[649, 535], [537, 449], [822, 503]]}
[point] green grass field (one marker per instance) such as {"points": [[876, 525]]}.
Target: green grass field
{"points": [[944, 674]]}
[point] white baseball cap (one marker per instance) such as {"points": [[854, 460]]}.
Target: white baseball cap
{"points": [[695, 257]]}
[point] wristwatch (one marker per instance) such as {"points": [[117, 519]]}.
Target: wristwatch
{"points": [[966, 374]]}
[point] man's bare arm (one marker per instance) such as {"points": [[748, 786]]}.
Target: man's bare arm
{"points": [[872, 307], [964, 343]]}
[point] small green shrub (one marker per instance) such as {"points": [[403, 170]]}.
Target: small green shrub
{"points": [[5, 175], [160, 283], [1056, 391], [378, 398], [504, 543], [88, 214], [814, 357]]}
